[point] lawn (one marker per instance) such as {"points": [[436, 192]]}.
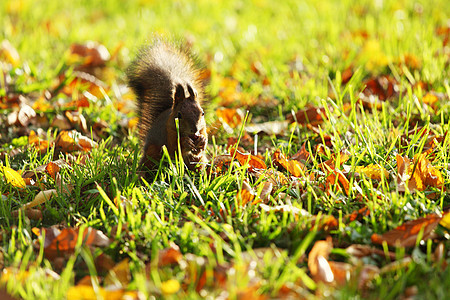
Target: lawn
{"points": [[328, 154]]}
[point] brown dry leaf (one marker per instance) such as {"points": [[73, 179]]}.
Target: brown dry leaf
{"points": [[82, 102], [246, 195], [12, 177], [254, 162], [317, 261], [378, 89], [169, 256], [311, 115], [216, 277], [119, 273], [221, 163], [77, 119], [302, 155], [337, 159], [90, 54], [410, 60], [30, 213], [61, 123], [266, 191], [406, 234], [103, 262], [42, 104], [25, 115], [357, 214], [418, 174], [360, 251], [40, 198], [341, 272], [294, 167], [69, 141], [60, 243]]}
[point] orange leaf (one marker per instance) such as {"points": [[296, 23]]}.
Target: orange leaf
{"points": [[246, 196], [406, 234], [230, 116], [254, 162], [61, 243], [335, 176], [294, 167], [52, 169], [69, 141], [417, 175], [317, 261], [169, 256]]}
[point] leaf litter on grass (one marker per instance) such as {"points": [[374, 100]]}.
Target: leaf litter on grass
{"points": [[311, 195]]}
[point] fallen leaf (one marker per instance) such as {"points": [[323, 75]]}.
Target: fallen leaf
{"points": [[40, 198], [12, 177], [406, 235], [311, 115], [60, 243], [373, 171], [417, 174], [90, 54], [169, 256], [253, 161], [317, 261], [119, 273], [294, 167], [9, 54], [170, 287], [69, 141], [270, 128], [230, 117]]}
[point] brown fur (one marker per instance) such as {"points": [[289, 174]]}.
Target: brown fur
{"points": [[167, 84]]}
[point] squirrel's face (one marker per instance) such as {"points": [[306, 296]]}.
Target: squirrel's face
{"points": [[190, 117], [188, 111]]}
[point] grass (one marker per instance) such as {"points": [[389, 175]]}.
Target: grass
{"points": [[300, 51]]}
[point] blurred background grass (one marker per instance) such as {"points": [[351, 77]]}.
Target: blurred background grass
{"points": [[324, 34]]}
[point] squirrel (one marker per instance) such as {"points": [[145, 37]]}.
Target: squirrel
{"points": [[168, 86]]}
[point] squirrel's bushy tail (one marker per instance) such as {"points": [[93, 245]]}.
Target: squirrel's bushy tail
{"points": [[154, 75]]}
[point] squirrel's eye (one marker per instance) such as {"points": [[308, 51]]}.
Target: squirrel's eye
{"points": [[179, 115], [203, 113]]}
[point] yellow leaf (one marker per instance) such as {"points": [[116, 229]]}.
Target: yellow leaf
{"points": [[373, 171], [170, 286], [86, 292], [120, 272], [40, 198], [445, 221], [12, 177]]}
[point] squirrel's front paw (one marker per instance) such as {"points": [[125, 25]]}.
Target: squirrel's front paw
{"points": [[199, 142]]}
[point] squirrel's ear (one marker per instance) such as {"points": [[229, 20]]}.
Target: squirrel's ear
{"points": [[192, 93], [179, 94]]}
